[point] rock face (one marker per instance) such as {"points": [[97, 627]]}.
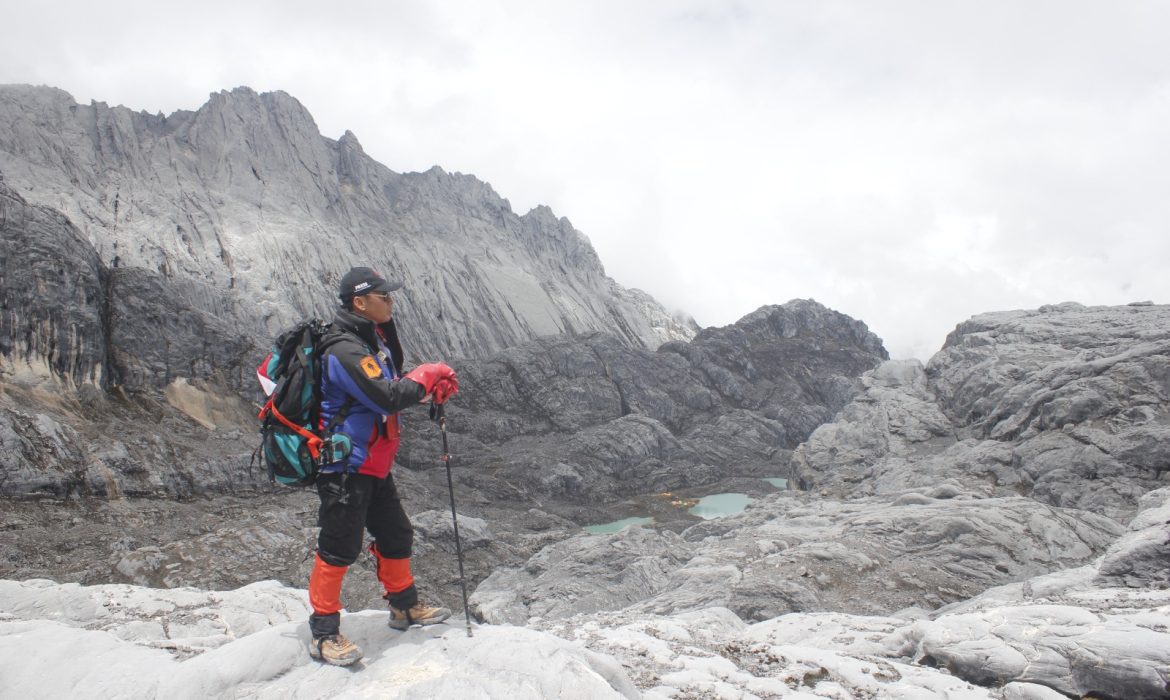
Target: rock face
{"points": [[1069, 405], [52, 320], [587, 419], [242, 211], [1099, 629], [788, 553], [70, 318], [580, 419], [151, 259], [1095, 630]]}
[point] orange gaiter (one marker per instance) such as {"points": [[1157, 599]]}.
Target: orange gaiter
{"points": [[393, 573], [325, 587]]}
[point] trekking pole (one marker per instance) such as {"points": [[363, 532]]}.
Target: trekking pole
{"points": [[437, 411]]}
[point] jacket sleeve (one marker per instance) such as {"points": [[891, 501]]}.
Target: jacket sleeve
{"points": [[361, 376]]}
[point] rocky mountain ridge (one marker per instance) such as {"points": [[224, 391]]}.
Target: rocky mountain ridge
{"points": [[246, 213]]}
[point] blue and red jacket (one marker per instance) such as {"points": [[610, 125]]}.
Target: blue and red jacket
{"points": [[361, 369]]}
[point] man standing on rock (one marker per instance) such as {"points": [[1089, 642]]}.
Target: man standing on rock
{"points": [[362, 390]]}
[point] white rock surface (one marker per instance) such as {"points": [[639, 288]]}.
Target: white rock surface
{"points": [[120, 641], [124, 642]]}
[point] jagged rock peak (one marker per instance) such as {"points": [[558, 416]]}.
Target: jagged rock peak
{"points": [[800, 317], [350, 141], [245, 200], [246, 97], [42, 94]]}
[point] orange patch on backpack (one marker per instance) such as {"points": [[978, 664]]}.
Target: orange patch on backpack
{"points": [[371, 367]]}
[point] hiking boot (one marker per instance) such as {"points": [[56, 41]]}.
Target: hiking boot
{"points": [[419, 614], [334, 649]]}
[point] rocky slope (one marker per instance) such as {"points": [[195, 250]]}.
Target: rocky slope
{"points": [[1012, 488], [243, 211], [587, 419], [147, 260], [1066, 404], [1077, 633], [789, 553], [559, 426]]}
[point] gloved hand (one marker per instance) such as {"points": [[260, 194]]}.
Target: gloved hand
{"points": [[437, 380], [445, 389]]}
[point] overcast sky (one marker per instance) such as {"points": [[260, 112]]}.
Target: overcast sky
{"points": [[909, 163]]}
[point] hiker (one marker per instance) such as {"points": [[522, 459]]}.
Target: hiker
{"points": [[362, 391]]}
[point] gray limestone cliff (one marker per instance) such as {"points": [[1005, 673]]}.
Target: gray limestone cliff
{"points": [[246, 212]]}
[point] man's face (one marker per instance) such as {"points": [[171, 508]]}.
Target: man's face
{"points": [[376, 306]]}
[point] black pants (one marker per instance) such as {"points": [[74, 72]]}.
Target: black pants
{"points": [[352, 503]]}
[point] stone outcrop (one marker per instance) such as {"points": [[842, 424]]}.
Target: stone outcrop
{"points": [[124, 641], [1066, 404], [1097, 630], [246, 213], [788, 553], [1077, 632], [1142, 556], [586, 419]]}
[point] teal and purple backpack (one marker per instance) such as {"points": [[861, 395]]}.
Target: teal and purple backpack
{"points": [[293, 443]]}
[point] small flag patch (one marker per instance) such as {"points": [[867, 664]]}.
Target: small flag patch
{"points": [[371, 367]]}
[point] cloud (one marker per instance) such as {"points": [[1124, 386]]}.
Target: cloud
{"points": [[909, 163]]}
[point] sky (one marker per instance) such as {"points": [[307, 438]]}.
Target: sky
{"points": [[910, 163]]}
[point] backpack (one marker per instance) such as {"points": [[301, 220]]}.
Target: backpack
{"points": [[290, 443]]}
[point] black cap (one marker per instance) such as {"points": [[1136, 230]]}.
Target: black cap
{"points": [[363, 280]]}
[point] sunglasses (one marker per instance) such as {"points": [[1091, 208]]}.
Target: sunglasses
{"points": [[384, 296]]}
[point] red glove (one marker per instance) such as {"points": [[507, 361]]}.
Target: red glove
{"points": [[437, 379], [445, 389]]}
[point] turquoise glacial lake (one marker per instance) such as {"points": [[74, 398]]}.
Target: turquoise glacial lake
{"points": [[719, 505], [617, 525], [777, 482]]}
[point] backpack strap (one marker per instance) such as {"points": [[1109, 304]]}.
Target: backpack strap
{"points": [[341, 414], [311, 441]]}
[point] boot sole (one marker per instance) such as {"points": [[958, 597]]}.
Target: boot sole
{"points": [[340, 662]]}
